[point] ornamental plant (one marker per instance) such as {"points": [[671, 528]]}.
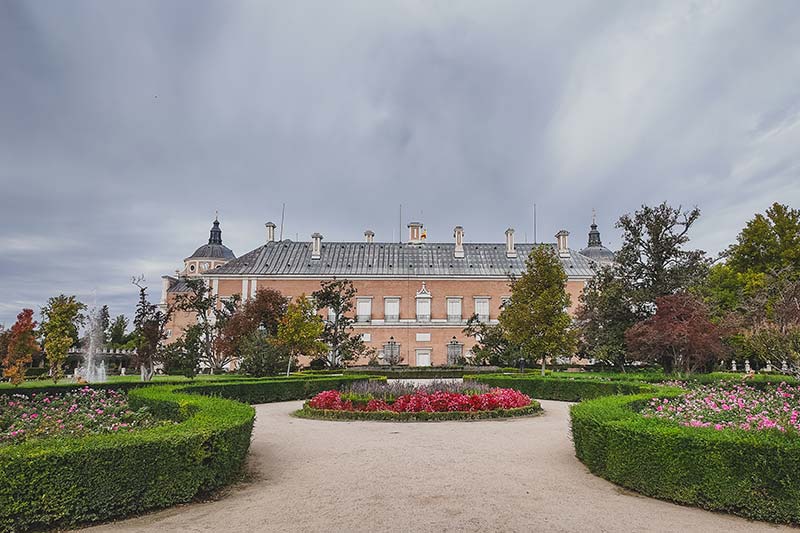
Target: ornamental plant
{"points": [[76, 413], [424, 401], [726, 406]]}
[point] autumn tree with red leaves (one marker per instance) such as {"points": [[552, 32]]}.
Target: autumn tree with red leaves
{"points": [[680, 336], [262, 314], [21, 347]]}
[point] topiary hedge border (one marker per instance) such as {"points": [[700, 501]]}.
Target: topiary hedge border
{"points": [[562, 389], [750, 474], [390, 416], [64, 482]]}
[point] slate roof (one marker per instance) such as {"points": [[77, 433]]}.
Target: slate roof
{"points": [[212, 251], [380, 259]]}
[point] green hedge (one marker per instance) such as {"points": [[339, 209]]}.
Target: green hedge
{"points": [[390, 416], [63, 482], [570, 390], [274, 390], [751, 474]]}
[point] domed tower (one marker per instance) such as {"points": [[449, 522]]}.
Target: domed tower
{"points": [[209, 255], [595, 250]]}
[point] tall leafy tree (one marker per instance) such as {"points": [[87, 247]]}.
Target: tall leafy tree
{"points": [[61, 318], [300, 330], [212, 316], [118, 335], [21, 347], [492, 346], [338, 297], [607, 309], [536, 317], [653, 261], [680, 335], [262, 355], [149, 332], [262, 313], [770, 242]]}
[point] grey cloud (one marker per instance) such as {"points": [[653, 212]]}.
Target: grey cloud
{"points": [[124, 126]]}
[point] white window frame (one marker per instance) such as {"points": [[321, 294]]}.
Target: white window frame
{"points": [[451, 316], [479, 301], [423, 309], [387, 316], [364, 304]]}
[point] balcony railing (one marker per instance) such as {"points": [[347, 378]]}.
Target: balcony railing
{"points": [[454, 318], [483, 318], [391, 318], [423, 318], [363, 318]]}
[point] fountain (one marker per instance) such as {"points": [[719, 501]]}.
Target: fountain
{"points": [[93, 369]]}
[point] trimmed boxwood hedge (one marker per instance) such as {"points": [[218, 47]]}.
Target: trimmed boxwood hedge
{"points": [[748, 473], [275, 390], [390, 416], [62, 482], [569, 390]]}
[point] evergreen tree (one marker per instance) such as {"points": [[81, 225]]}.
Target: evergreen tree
{"points": [[149, 332], [536, 317]]}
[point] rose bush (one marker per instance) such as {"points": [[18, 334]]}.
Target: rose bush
{"points": [[80, 412], [731, 406]]}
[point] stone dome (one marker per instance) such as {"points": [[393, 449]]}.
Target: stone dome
{"points": [[595, 250], [214, 249]]}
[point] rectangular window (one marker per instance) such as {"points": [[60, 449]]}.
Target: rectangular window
{"points": [[482, 308], [391, 309], [454, 309], [423, 309], [366, 337], [331, 315], [364, 309]]}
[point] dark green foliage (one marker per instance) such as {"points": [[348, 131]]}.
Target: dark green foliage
{"points": [[63, 482], [492, 346], [420, 372], [261, 356], [564, 389], [274, 389], [182, 357], [337, 296], [748, 473], [390, 416]]}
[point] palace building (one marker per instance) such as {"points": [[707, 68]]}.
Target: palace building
{"points": [[413, 297]]}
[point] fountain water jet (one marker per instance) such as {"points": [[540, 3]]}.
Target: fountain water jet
{"points": [[93, 368]]}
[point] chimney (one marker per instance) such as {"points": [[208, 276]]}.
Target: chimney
{"points": [[415, 232], [316, 246], [510, 251], [562, 238], [270, 231], [458, 234], [369, 236]]}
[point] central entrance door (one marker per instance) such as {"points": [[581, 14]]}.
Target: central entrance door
{"points": [[424, 357]]}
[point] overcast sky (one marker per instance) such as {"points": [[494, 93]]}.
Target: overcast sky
{"points": [[125, 126]]}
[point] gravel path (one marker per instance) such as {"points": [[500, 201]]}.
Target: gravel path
{"points": [[509, 475]]}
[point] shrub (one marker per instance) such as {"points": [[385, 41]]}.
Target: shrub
{"points": [[62, 482], [391, 416], [748, 473], [273, 390], [570, 390]]}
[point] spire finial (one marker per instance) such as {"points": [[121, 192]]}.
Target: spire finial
{"points": [[216, 216], [594, 216]]}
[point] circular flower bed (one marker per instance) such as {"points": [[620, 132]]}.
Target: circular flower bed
{"points": [[76, 413], [439, 401], [731, 406]]}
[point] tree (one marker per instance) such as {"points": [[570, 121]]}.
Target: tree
{"points": [[211, 319], [768, 243], [605, 313], [104, 322], [679, 335], [536, 317], [261, 313], [118, 336], [21, 347], [61, 318], [492, 346], [726, 291], [337, 296], [300, 330], [261, 355], [652, 261], [184, 355], [149, 332]]}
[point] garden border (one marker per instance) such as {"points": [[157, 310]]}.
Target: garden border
{"points": [[534, 409], [61, 482], [749, 474], [563, 389]]}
